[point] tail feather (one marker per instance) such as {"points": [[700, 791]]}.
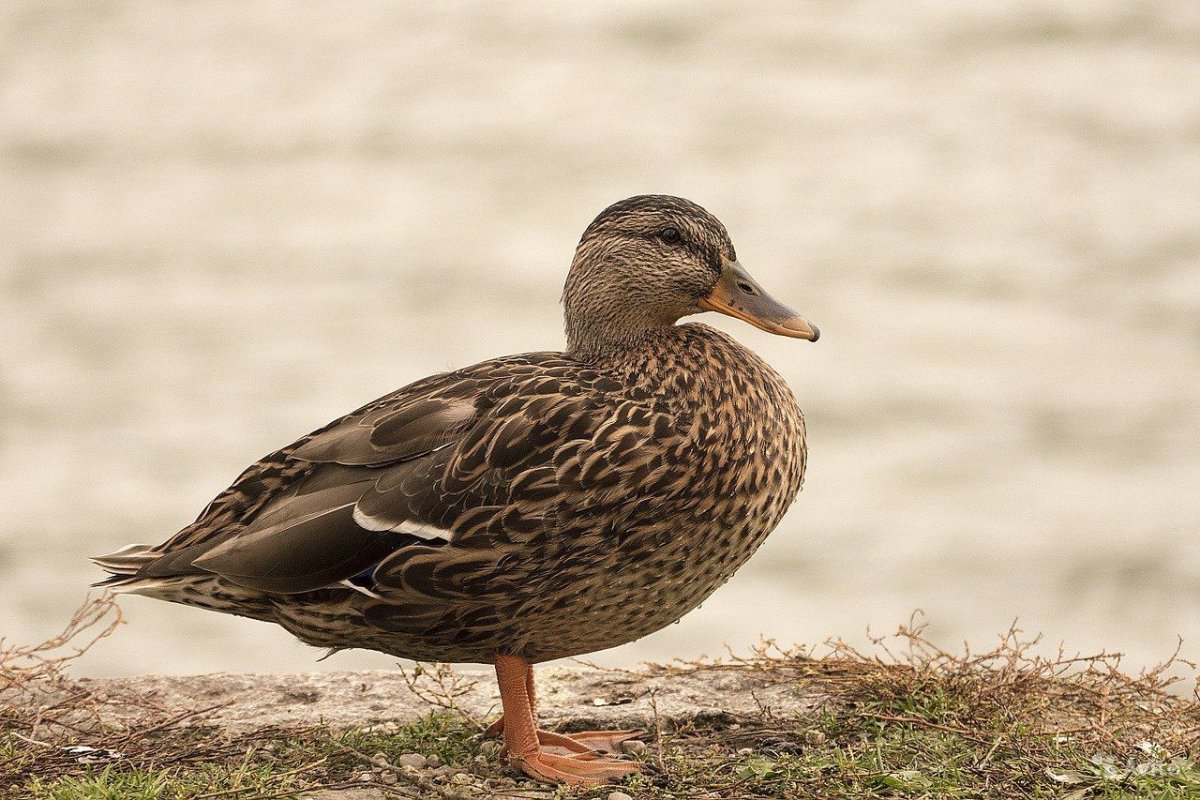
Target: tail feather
{"points": [[126, 561], [131, 572], [133, 584]]}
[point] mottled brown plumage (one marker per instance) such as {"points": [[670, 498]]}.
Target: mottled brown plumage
{"points": [[535, 506]]}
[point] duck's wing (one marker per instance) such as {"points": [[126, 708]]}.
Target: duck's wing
{"points": [[445, 476]]}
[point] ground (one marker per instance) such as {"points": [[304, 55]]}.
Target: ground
{"points": [[907, 720]]}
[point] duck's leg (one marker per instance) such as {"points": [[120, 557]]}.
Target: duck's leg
{"points": [[522, 742], [583, 744], [593, 742]]}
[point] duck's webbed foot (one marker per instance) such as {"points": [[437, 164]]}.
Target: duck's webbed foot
{"points": [[544, 755], [589, 770], [577, 742]]}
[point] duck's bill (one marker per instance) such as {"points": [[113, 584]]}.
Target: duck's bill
{"points": [[740, 296]]}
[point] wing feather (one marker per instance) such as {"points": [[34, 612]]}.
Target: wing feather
{"points": [[440, 490], [388, 434]]}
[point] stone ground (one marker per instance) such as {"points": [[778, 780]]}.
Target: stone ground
{"points": [[579, 696]]}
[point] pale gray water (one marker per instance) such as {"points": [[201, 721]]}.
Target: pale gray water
{"points": [[226, 223]]}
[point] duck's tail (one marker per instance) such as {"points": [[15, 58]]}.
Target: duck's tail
{"points": [[124, 566], [140, 569]]}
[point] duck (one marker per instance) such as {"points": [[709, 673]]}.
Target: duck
{"points": [[529, 507]]}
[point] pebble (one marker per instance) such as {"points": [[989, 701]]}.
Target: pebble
{"points": [[379, 760], [365, 777], [618, 796], [460, 779], [433, 760], [490, 748], [746, 751], [633, 747], [415, 760], [815, 737], [388, 777]]}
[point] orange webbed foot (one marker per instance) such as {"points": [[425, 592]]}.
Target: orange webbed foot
{"points": [[545, 756], [588, 770], [603, 741], [578, 743]]}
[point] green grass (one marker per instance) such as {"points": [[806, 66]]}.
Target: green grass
{"points": [[178, 783], [869, 760], [275, 763], [861, 757], [443, 734]]}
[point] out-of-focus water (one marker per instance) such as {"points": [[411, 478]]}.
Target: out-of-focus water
{"points": [[226, 223]]}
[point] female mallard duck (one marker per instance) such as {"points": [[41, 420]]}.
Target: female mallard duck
{"points": [[529, 507]]}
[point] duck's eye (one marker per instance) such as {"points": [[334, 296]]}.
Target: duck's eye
{"points": [[671, 235]]}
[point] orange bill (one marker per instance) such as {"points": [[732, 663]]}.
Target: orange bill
{"points": [[739, 295]]}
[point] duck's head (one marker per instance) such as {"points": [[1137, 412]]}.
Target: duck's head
{"points": [[649, 260]]}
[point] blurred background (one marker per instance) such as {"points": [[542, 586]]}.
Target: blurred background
{"points": [[225, 224]]}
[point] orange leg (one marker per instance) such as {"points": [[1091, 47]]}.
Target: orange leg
{"points": [[582, 743], [525, 745]]}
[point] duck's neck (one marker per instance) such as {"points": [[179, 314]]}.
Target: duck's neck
{"points": [[670, 352], [599, 332], [596, 347]]}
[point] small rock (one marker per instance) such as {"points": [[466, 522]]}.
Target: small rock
{"points": [[388, 778], [746, 751], [433, 760], [415, 760], [600, 701], [380, 760], [460, 779], [633, 747], [92, 755], [490, 748], [618, 796], [774, 744], [444, 771], [365, 777], [815, 737]]}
